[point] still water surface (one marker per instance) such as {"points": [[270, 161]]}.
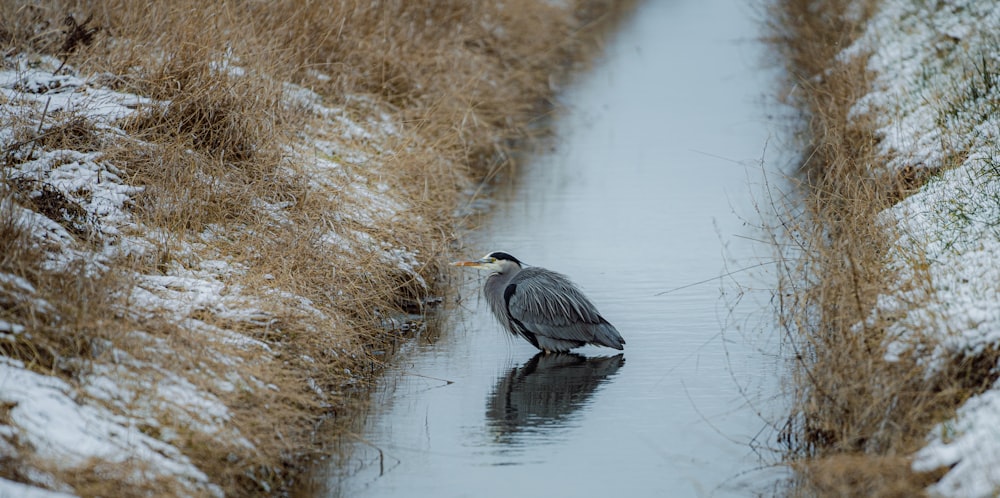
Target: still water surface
{"points": [[647, 188]]}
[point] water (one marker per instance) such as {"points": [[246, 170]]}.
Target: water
{"points": [[646, 189]]}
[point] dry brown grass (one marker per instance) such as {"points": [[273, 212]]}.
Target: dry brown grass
{"points": [[856, 417], [859, 475], [467, 81]]}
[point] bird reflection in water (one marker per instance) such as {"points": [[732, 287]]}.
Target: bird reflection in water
{"points": [[545, 391]]}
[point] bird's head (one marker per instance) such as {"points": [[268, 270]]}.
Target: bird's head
{"points": [[497, 261]]}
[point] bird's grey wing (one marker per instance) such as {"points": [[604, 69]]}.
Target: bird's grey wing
{"points": [[549, 305]]}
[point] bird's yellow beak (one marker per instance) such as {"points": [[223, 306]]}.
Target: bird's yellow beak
{"points": [[475, 264]]}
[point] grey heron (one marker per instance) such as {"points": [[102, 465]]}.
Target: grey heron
{"points": [[542, 306]]}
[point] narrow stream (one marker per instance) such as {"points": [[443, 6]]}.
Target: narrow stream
{"points": [[646, 191]]}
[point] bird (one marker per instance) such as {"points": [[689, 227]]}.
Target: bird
{"points": [[542, 306]]}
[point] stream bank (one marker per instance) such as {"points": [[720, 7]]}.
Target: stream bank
{"points": [[890, 282], [208, 213]]}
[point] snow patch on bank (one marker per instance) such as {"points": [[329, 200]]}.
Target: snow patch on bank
{"points": [[115, 410], [936, 100]]}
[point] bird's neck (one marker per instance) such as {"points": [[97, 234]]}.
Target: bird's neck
{"points": [[501, 277]]}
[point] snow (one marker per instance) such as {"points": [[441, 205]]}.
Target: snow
{"points": [[935, 99], [968, 443], [45, 416], [12, 489], [32, 83], [115, 409], [83, 178]]}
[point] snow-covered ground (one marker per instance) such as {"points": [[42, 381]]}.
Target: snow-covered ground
{"points": [[115, 409], [936, 99]]}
